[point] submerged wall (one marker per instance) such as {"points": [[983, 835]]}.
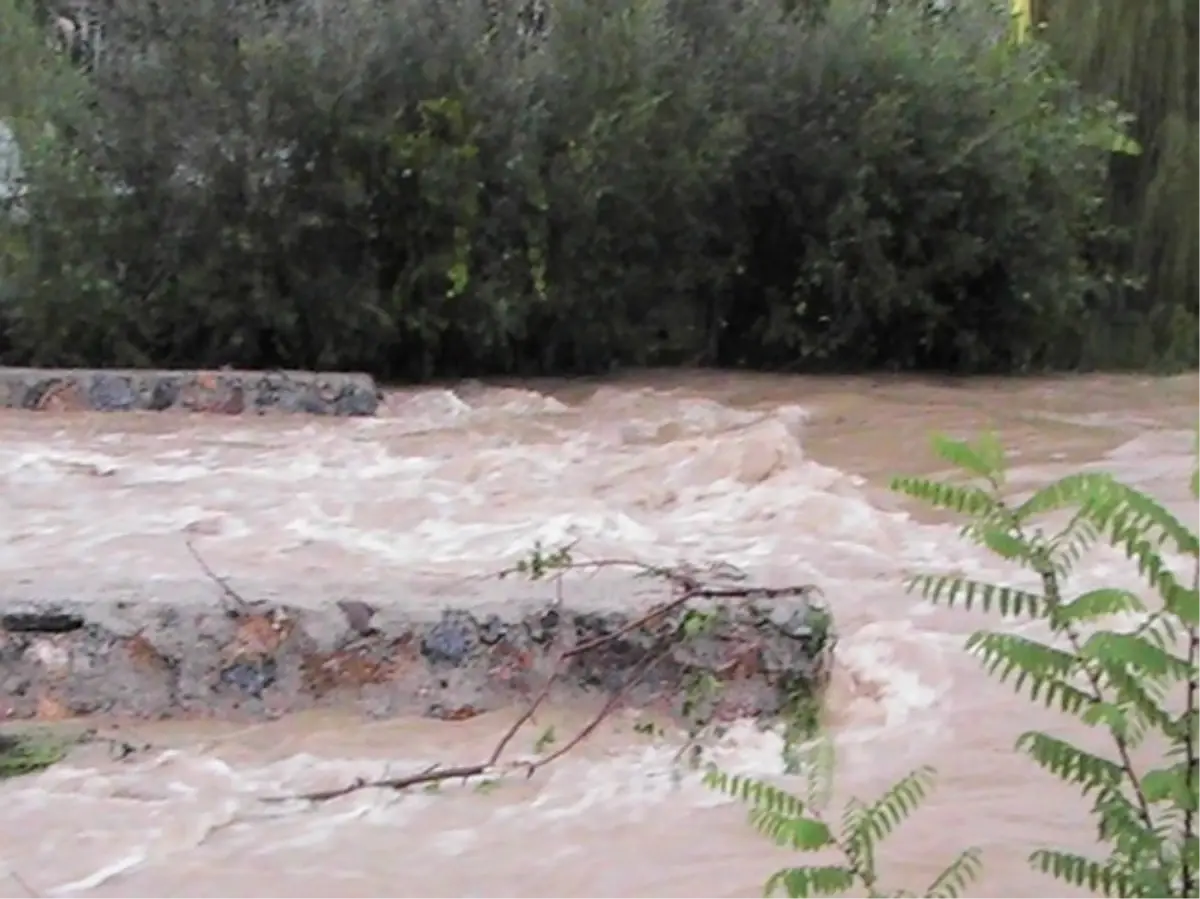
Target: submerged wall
{"points": [[158, 657], [224, 392]]}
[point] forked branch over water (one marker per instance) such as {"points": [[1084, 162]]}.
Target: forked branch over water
{"points": [[684, 584]]}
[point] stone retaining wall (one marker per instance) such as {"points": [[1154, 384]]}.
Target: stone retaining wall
{"points": [[158, 659], [224, 392]]}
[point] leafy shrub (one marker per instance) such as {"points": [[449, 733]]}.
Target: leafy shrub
{"points": [[35, 87], [1139, 685], [928, 197], [420, 189], [293, 190]]}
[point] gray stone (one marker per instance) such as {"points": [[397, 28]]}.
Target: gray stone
{"points": [[164, 394], [452, 640], [251, 677], [111, 393]]}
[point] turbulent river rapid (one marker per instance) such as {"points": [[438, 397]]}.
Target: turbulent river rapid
{"points": [[765, 472]]}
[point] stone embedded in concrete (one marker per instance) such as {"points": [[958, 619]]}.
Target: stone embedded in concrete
{"points": [[224, 392], [156, 659]]}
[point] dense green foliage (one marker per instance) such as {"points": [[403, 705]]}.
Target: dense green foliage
{"points": [[1144, 56], [1136, 682], [421, 189]]}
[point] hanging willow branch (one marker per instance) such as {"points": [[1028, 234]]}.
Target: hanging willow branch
{"points": [[1144, 55]]}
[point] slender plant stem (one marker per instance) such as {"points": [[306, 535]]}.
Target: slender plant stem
{"points": [[1187, 871]]}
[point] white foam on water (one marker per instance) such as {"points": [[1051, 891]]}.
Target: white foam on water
{"points": [[875, 656], [735, 484], [39, 464], [102, 875], [147, 820]]}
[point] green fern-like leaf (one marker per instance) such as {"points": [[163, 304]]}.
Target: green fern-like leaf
{"points": [[791, 832], [1000, 539], [775, 813], [1160, 629], [1071, 491], [1170, 784], [1082, 872], [1141, 527], [965, 593], [1072, 543], [856, 837], [983, 458], [957, 876], [1117, 719], [853, 814], [1142, 697], [1128, 514], [1019, 658], [897, 803], [1071, 764], [1158, 574], [756, 793], [826, 880], [782, 818], [1180, 601], [1098, 604], [965, 500], [1137, 653], [821, 765], [1125, 824]]}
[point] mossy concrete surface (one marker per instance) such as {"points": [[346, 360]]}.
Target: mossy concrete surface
{"points": [[29, 751]]}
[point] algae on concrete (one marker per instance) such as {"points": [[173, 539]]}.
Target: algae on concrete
{"points": [[28, 753]]}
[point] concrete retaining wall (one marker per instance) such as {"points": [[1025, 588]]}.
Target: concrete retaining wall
{"points": [[160, 659], [225, 392]]}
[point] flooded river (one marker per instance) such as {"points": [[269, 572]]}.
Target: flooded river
{"points": [[768, 473]]}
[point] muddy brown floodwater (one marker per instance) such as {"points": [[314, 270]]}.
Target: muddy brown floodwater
{"points": [[764, 472]]}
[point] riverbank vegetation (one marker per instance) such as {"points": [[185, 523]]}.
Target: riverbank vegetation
{"points": [[420, 189], [1118, 662]]}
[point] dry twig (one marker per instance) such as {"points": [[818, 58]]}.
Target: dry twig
{"points": [[239, 605], [20, 881]]}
